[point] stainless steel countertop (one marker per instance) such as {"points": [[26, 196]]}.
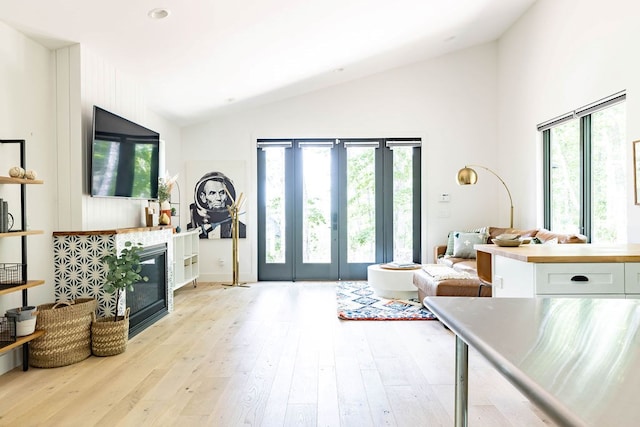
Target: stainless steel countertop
{"points": [[577, 359]]}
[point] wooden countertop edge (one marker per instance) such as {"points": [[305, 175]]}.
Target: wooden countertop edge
{"points": [[112, 231], [517, 253]]}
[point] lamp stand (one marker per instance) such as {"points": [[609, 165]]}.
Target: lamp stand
{"points": [[468, 176], [234, 212]]}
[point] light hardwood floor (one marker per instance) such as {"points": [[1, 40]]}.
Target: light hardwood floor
{"points": [[274, 354]]}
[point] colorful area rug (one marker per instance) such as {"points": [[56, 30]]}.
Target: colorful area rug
{"points": [[357, 301]]}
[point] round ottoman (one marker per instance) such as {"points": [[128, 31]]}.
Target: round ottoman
{"points": [[392, 283]]}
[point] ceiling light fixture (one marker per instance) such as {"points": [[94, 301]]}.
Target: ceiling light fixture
{"points": [[158, 13]]}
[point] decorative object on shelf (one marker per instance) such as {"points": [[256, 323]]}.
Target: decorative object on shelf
{"points": [[7, 331], [165, 217], [12, 273], [165, 185], [468, 176], [25, 318], [109, 335], [16, 172], [151, 214], [6, 219], [30, 174], [67, 337]]}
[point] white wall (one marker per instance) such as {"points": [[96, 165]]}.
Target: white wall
{"points": [[84, 80], [561, 55], [450, 102], [27, 112]]}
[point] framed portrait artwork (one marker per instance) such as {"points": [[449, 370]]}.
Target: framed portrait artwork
{"points": [[636, 171], [216, 185]]}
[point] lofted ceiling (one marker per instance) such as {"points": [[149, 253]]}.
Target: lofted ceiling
{"points": [[211, 56]]}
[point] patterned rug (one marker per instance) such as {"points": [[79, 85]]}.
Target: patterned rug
{"points": [[357, 301]]}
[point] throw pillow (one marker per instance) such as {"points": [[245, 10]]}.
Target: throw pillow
{"points": [[449, 251], [463, 244]]}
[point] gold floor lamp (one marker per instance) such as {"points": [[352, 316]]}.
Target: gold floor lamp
{"points": [[234, 213], [468, 176]]}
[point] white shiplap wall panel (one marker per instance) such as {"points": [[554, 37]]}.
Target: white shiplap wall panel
{"points": [[110, 89]]}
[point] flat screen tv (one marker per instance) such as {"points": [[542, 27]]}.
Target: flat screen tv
{"points": [[124, 158]]}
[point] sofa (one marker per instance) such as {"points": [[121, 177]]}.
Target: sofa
{"points": [[461, 276], [445, 254]]}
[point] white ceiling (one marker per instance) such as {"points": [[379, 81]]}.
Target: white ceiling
{"points": [[211, 56]]}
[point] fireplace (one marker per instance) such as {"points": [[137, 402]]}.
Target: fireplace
{"points": [[148, 301]]}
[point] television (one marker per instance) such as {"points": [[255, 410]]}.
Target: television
{"points": [[124, 158]]}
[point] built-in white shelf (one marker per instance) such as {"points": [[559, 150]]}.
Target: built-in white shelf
{"points": [[186, 248]]}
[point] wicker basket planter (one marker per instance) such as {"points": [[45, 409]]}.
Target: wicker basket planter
{"points": [[109, 337], [67, 337]]}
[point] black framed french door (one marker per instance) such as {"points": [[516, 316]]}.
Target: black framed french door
{"points": [[326, 207]]}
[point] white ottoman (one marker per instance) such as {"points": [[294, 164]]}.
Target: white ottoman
{"points": [[392, 284]]}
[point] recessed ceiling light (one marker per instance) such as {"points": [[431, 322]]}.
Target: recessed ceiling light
{"points": [[338, 70], [449, 39], [158, 13]]}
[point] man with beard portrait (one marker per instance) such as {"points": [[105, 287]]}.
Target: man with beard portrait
{"points": [[210, 212]]}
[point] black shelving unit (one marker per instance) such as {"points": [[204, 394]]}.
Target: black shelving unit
{"points": [[23, 233]]}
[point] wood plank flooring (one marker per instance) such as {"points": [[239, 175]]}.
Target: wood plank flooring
{"points": [[274, 354]]}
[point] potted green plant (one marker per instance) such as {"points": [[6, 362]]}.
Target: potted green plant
{"points": [[109, 335]]}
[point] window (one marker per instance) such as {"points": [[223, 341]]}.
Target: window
{"points": [[585, 171]]}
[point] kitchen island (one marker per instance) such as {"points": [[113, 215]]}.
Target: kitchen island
{"points": [[588, 270]]}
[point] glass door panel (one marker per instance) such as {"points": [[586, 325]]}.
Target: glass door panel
{"points": [[316, 221], [361, 205], [274, 194], [316, 205], [403, 204]]}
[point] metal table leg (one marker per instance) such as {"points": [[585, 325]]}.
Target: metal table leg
{"points": [[462, 387]]}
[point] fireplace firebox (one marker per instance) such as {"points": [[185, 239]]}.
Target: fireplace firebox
{"points": [[148, 301]]}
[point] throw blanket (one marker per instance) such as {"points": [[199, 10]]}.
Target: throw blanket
{"points": [[442, 272]]}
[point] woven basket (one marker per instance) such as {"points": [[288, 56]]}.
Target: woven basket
{"points": [[109, 337], [67, 337]]}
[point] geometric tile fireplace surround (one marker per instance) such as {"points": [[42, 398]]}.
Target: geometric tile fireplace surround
{"points": [[80, 272]]}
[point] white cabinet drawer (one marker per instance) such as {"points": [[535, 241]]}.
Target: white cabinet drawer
{"points": [[580, 278], [632, 278]]}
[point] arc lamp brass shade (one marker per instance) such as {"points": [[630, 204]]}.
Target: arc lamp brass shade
{"points": [[467, 176]]}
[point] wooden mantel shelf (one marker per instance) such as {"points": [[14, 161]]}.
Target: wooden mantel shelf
{"points": [[112, 231]]}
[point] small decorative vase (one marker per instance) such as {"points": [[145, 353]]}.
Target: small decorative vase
{"points": [[165, 218], [165, 213]]}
